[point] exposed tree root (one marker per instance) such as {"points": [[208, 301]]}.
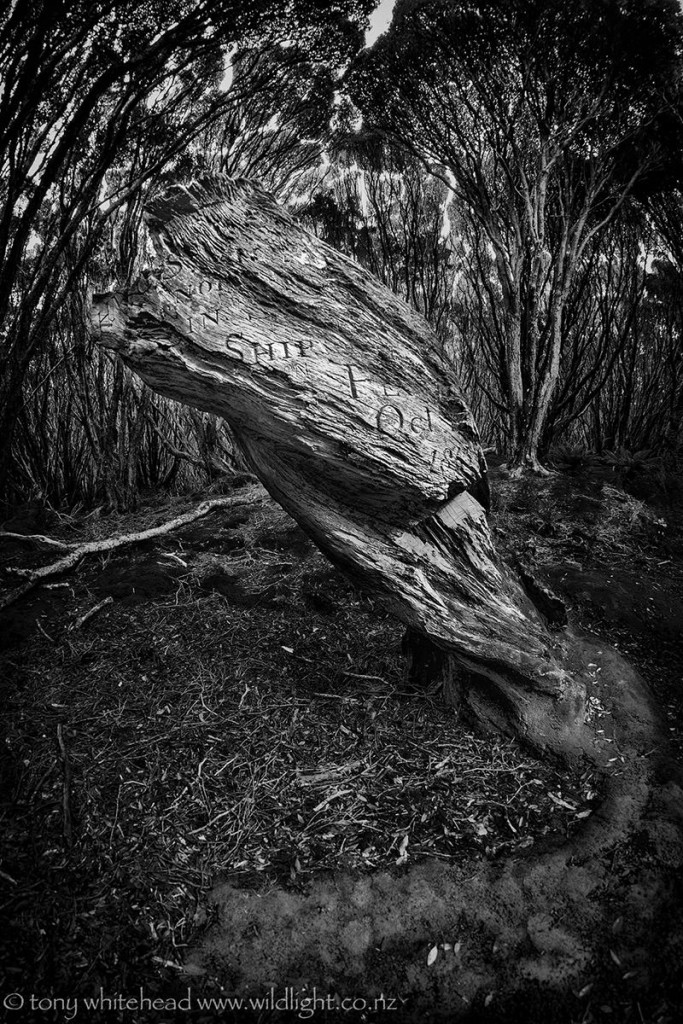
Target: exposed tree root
{"points": [[76, 552]]}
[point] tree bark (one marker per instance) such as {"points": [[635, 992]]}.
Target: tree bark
{"points": [[346, 408]]}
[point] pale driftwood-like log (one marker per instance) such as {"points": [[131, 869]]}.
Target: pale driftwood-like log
{"points": [[76, 552], [346, 407]]}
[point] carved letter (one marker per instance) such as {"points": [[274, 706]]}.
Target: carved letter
{"points": [[421, 424], [271, 350], [258, 350], [213, 317], [389, 412], [446, 463], [173, 263], [103, 317], [170, 311], [233, 347], [353, 381]]}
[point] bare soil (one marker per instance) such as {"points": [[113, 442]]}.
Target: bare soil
{"points": [[223, 781]]}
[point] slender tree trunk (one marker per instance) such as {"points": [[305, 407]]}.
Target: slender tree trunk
{"points": [[11, 399], [540, 386]]}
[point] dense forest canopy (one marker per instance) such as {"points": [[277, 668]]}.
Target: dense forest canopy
{"points": [[545, 119], [100, 101], [512, 172]]}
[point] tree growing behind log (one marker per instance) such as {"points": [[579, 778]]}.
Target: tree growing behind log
{"points": [[345, 407], [547, 118]]}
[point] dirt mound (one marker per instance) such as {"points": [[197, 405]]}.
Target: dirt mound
{"points": [[641, 604], [505, 940], [138, 583]]}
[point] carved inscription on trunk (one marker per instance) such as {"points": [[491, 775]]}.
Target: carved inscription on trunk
{"points": [[347, 410]]}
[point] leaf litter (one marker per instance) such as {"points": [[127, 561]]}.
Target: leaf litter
{"points": [[258, 729]]}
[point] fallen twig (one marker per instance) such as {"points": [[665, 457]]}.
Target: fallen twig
{"points": [[45, 634], [93, 611], [66, 791]]}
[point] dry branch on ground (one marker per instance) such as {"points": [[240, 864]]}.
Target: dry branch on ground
{"points": [[76, 552]]}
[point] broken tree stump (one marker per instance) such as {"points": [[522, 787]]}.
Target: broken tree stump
{"points": [[347, 408]]}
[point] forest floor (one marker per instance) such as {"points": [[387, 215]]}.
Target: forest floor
{"points": [[234, 731]]}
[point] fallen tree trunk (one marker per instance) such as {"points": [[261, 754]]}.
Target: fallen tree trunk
{"points": [[346, 407]]}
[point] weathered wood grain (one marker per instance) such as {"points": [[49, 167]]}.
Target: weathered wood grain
{"points": [[348, 410]]}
